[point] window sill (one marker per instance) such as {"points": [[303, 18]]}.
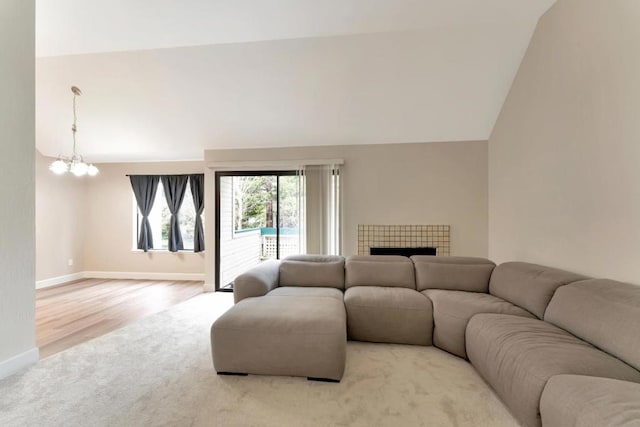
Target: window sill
{"points": [[166, 251]]}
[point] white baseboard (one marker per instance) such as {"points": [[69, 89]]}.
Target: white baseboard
{"points": [[142, 275], [54, 281], [209, 287], [59, 280], [19, 362]]}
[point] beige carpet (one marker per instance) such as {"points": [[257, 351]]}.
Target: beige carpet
{"points": [[158, 372]]}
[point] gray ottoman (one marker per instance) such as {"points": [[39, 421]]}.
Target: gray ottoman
{"points": [[294, 334]]}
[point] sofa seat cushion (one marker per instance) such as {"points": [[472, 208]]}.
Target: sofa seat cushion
{"points": [[390, 315], [379, 270], [452, 311], [517, 355], [581, 401], [282, 335], [312, 270], [452, 273], [294, 291]]}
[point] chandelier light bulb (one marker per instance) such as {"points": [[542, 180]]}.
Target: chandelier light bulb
{"points": [[59, 167], [92, 170], [79, 169]]}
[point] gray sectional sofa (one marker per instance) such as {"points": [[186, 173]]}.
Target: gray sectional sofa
{"points": [[558, 348]]}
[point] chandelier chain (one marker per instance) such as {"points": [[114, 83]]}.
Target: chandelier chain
{"points": [[74, 127]]}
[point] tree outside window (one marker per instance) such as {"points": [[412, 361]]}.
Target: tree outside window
{"points": [[255, 204]]}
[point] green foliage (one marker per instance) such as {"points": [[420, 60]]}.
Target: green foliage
{"points": [[254, 199], [289, 210]]}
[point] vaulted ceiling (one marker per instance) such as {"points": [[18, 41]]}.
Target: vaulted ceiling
{"points": [[167, 79]]}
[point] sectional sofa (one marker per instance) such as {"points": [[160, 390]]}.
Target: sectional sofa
{"points": [[558, 348]]}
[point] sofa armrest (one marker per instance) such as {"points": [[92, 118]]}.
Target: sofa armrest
{"points": [[257, 281]]}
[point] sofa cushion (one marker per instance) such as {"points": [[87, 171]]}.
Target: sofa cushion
{"points": [[379, 270], [452, 311], [529, 286], [453, 273], [517, 356], [307, 291], [581, 401], [312, 270], [391, 315], [605, 313], [282, 335]]}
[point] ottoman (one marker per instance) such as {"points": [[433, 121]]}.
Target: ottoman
{"points": [[300, 333]]}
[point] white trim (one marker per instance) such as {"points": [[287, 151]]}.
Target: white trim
{"points": [[19, 362], [271, 164], [59, 280], [166, 251], [135, 275], [209, 287], [142, 275]]}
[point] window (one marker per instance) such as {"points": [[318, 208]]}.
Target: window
{"points": [[160, 219], [254, 202], [271, 214]]}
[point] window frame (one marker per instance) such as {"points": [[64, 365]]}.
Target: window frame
{"points": [[225, 173], [137, 217]]}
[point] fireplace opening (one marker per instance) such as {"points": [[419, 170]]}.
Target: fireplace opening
{"points": [[403, 251]]}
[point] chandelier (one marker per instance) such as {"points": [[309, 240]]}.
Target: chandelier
{"points": [[74, 164]]}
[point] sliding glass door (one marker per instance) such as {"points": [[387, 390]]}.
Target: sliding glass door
{"points": [[259, 216]]}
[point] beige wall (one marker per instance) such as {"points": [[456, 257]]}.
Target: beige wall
{"points": [[109, 223], [426, 183], [17, 187], [564, 157], [60, 221]]}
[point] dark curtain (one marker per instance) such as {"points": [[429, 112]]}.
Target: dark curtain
{"points": [[174, 189], [197, 191], [144, 188]]}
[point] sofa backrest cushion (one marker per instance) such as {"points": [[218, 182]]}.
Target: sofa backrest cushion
{"points": [[312, 270], [529, 286], [379, 270], [452, 273], [602, 312]]}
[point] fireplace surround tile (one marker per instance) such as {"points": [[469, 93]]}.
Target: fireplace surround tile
{"points": [[398, 236]]}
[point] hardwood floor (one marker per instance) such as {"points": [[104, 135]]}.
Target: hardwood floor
{"points": [[70, 314]]}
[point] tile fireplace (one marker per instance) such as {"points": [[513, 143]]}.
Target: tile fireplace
{"points": [[396, 238]]}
